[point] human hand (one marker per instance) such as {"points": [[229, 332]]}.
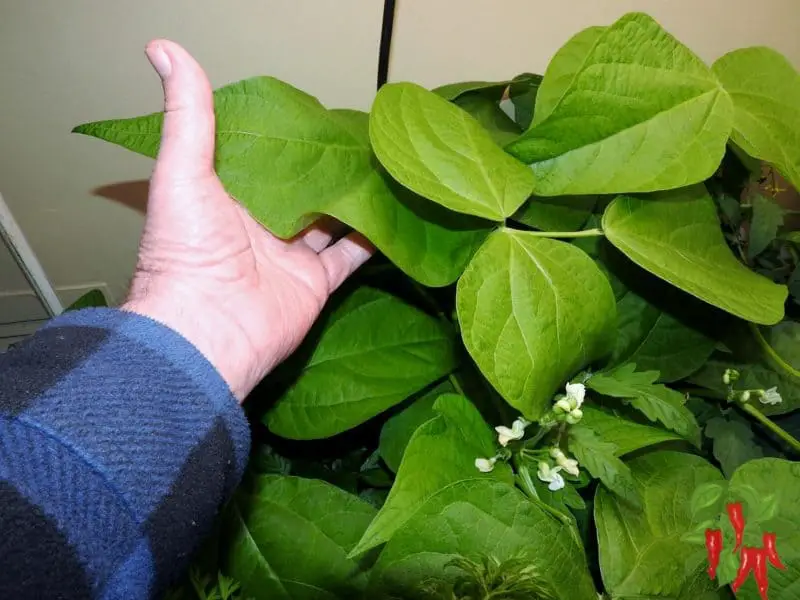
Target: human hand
{"points": [[206, 269]]}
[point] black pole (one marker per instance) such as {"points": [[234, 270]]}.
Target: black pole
{"points": [[385, 47]]}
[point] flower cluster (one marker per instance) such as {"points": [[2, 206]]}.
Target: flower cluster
{"points": [[570, 405]]}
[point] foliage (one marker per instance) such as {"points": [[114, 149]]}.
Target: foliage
{"points": [[594, 263]]}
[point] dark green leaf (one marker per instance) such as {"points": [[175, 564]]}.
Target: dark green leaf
{"points": [[475, 519], [441, 452], [641, 551], [522, 92], [453, 91], [288, 159], [656, 341], [533, 311], [442, 153], [612, 129], [562, 213], [373, 352], [488, 113], [767, 218], [600, 459], [289, 540], [676, 236], [398, 430], [733, 443], [91, 299], [656, 402]]}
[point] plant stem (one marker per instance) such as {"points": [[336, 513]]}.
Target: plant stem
{"points": [[770, 354], [567, 234], [454, 381], [771, 425]]}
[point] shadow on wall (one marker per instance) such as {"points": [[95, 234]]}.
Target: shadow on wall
{"points": [[132, 194]]}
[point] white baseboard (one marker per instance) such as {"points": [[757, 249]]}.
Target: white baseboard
{"points": [[20, 306]]}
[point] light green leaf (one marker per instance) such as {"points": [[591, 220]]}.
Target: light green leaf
{"points": [[599, 457], [656, 341], [453, 91], [767, 219], [523, 93], [475, 519], [533, 311], [656, 402], [563, 69], [733, 443], [441, 451], [288, 159], [398, 430], [781, 479], [373, 352], [641, 551], [765, 89], [442, 153], [289, 539], [676, 235], [626, 435], [613, 128], [488, 113], [562, 213]]}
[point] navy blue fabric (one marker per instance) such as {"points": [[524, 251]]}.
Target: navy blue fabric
{"points": [[118, 444]]}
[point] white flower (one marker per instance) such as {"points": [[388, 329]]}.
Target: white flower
{"points": [[517, 430], [550, 476], [563, 405], [576, 392], [485, 465], [570, 465], [771, 396]]}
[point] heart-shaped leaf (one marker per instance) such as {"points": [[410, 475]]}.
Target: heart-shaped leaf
{"points": [[612, 130], [676, 235], [287, 159], [373, 351], [532, 312], [442, 153]]}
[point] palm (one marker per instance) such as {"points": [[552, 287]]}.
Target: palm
{"points": [[207, 250]]}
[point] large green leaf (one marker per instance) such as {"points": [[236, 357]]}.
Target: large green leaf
{"points": [[397, 431], [767, 219], [657, 341], [613, 129], [442, 451], [733, 443], [373, 352], [564, 67], [288, 539], [626, 435], [781, 479], [442, 153], [765, 89], [641, 552], [676, 235], [288, 159], [656, 402], [475, 519], [532, 312]]}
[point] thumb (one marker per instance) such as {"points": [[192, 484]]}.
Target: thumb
{"points": [[187, 136]]}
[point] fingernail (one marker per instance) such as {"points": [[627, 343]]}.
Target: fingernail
{"points": [[159, 59]]}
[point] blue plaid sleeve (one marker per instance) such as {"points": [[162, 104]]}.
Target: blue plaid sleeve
{"points": [[118, 444]]}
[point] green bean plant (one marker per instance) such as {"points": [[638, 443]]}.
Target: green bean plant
{"points": [[583, 318]]}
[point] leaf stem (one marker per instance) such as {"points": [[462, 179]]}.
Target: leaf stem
{"points": [[771, 425], [772, 356], [455, 383], [567, 234]]}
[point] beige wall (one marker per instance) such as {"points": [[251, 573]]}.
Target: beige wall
{"points": [[69, 61]]}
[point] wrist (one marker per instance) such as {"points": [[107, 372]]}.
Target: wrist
{"points": [[205, 324]]}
